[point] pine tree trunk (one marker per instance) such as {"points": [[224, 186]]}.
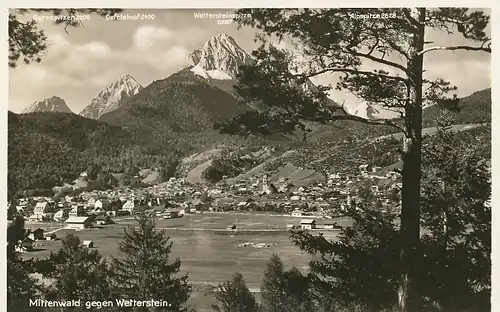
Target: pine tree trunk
{"points": [[410, 209]]}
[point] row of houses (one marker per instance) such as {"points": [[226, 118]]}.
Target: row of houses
{"points": [[29, 242], [48, 211]]}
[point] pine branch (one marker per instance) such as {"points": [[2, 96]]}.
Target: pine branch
{"points": [[453, 48], [354, 71], [378, 60]]}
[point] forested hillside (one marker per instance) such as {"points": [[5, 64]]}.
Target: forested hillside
{"points": [[475, 108], [47, 149], [183, 102], [174, 117]]}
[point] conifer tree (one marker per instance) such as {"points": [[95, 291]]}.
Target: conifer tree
{"points": [[20, 286], [360, 267], [271, 288], [28, 42], [75, 272], [286, 290], [340, 41], [144, 269], [235, 296], [456, 214]]}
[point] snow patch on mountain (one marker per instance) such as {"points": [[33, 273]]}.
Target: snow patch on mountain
{"points": [[53, 104], [211, 74], [218, 58], [371, 111], [112, 97]]}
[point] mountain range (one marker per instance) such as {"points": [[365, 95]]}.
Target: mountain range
{"points": [[370, 111], [127, 124], [192, 99], [216, 61]]}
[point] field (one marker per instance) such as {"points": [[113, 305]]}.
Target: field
{"points": [[244, 221], [209, 253]]}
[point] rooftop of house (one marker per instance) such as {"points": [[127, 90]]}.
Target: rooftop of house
{"points": [[104, 200], [307, 221], [77, 219]]}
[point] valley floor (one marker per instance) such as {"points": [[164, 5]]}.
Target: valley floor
{"points": [[209, 252]]}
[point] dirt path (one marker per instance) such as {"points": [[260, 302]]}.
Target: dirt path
{"points": [[56, 230], [429, 131]]}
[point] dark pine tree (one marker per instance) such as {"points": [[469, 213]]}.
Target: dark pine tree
{"points": [[361, 266], [144, 270], [340, 42], [234, 295], [28, 42], [456, 214], [20, 286], [75, 272], [285, 290]]}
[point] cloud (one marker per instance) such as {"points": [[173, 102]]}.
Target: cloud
{"points": [[467, 75], [145, 37], [95, 48], [78, 71], [57, 41], [175, 55], [16, 106], [36, 73]]}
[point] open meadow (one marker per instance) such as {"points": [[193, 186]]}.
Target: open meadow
{"points": [[209, 253]]}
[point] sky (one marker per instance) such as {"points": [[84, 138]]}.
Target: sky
{"points": [[78, 65]]}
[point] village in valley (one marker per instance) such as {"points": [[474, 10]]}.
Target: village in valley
{"points": [[220, 163], [316, 206]]}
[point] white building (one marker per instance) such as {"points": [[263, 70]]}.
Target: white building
{"points": [[60, 215], [78, 223], [129, 206], [103, 203], [308, 224], [77, 211], [41, 210], [88, 243]]}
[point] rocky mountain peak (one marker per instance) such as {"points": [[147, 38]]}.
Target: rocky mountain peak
{"points": [[51, 104], [113, 95], [218, 58]]}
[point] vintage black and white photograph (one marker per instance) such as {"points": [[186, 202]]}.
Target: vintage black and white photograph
{"points": [[249, 160]]}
